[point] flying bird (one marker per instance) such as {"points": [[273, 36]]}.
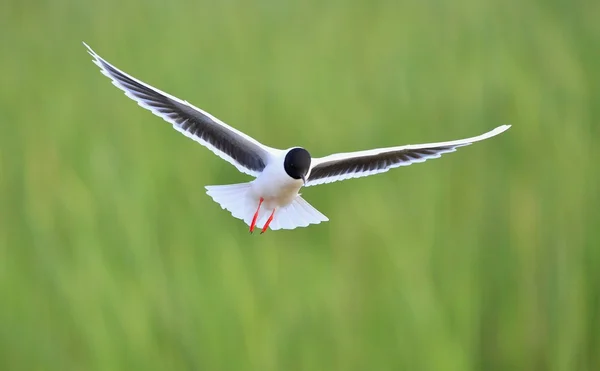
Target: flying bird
{"points": [[271, 200]]}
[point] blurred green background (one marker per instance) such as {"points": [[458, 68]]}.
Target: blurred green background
{"points": [[112, 257]]}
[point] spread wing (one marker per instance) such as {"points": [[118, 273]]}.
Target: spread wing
{"points": [[245, 153], [343, 166]]}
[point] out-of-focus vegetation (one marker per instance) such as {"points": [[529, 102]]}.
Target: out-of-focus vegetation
{"points": [[112, 257]]}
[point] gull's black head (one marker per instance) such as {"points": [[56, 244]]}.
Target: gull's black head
{"points": [[297, 163]]}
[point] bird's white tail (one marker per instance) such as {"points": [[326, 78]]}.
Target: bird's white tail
{"points": [[237, 199]]}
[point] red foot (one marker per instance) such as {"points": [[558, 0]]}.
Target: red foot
{"points": [[256, 215], [268, 222]]}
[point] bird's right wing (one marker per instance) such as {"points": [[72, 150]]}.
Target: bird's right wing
{"points": [[343, 166], [245, 153]]}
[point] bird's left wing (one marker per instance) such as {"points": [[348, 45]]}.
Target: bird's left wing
{"points": [[245, 153], [343, 166]]}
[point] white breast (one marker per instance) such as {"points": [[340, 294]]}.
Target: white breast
{"points": [[276, 187]]}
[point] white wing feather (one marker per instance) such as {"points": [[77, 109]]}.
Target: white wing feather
{"points": [[181, 114], [343, 166]]}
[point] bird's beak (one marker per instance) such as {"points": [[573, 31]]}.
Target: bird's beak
{"points": [[304, 179]]}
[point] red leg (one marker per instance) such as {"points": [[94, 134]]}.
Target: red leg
{"points": [[256, 215], [268, 222]]}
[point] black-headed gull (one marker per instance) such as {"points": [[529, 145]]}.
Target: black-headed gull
{"points": [[271, 200]]}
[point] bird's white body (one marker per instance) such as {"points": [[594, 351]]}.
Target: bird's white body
{"points": [[272, 198], [275, 186], [279, 194]]}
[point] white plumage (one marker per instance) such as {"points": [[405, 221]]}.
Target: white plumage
{"points": [[271, 200]]}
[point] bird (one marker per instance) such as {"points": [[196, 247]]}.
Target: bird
{"points": [[272, 199]]}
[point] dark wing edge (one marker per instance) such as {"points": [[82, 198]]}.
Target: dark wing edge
{"points": [[344, 166], [245, 153]]}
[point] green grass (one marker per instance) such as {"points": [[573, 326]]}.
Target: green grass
{"points": [[112, 257]]}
